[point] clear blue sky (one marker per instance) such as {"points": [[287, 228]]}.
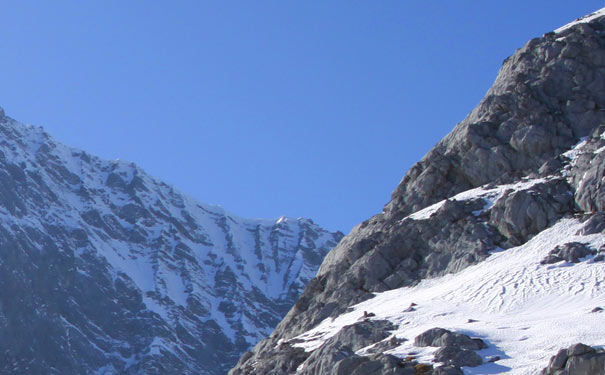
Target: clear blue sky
{"points": [[268, 108]]}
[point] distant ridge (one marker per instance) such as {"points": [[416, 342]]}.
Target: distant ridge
{"points": [[106, 270]]}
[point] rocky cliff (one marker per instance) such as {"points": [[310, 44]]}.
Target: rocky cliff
{"points": [[106, 270], [506, 203]]}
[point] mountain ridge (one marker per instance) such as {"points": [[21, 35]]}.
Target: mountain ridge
{"points": [[547, 98], [107, 270]]}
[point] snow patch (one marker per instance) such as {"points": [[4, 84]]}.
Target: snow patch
{"points": [[575, 151], [489, 195], [427, 212], [584, 19]]}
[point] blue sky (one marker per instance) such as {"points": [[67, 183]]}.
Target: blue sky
{"points": [[268, 108]]}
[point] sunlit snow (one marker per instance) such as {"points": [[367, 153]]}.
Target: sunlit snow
{"points": [[489, 195], [524, 310], [584, 19]]}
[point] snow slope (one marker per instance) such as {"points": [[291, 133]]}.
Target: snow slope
{"points": [[525, 311]]}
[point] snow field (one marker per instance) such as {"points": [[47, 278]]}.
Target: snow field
{"points": [[525, 311]]}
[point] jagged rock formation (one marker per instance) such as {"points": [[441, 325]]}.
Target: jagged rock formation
{"points": [[105, 270], [512, 169]]}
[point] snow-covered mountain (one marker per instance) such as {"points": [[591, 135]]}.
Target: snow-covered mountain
{"points": [[106, 270], [490, 257]]}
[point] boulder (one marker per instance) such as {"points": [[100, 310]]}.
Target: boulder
{"points": [[458, 357], [443, 337], [578, 359], [571, 252]]}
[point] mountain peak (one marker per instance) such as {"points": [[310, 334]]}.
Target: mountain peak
{"points": [[515, 187]]}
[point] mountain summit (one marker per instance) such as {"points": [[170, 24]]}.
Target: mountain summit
{"points": [[106, 270], [489, 257]]}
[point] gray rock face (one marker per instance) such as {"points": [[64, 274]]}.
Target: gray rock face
{"points": [[519, 215], [104, 270], [588, 174], [578, 359], [547, 97]]}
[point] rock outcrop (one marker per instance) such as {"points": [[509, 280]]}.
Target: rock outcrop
{"points": [[578, 359], [571, 252], [510, 170]]}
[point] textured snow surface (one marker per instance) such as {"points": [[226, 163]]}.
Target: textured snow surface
{"points": [[525, 311], [584, 19]]}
